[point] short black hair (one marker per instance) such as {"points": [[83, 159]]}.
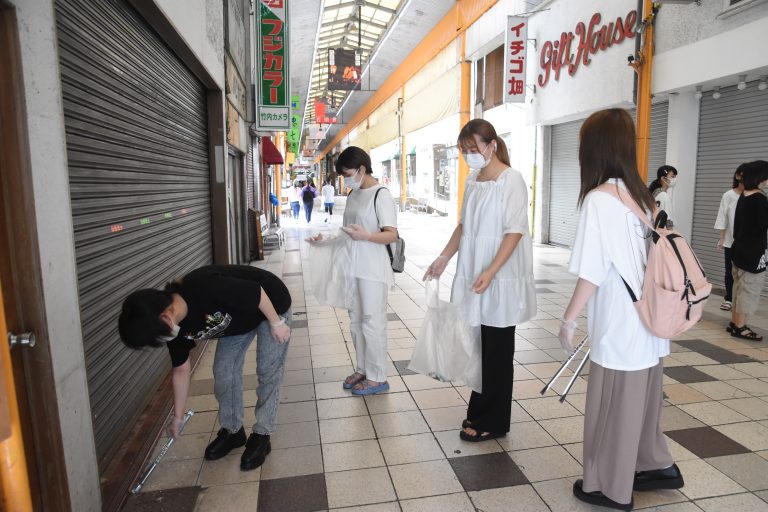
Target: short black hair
{"points": [[139, 323], [754, 174], [740, 173], [352, 158]]}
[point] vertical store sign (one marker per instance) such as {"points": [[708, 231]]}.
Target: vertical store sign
{"points": [[293, 134], [273, 111], [514, 59]]}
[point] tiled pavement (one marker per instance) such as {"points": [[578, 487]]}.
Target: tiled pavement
{"points": [[400, 451]]}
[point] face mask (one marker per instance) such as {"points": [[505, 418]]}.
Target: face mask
{"points": [[476, 160], [672, 182], [351, 182], [174, 332]]}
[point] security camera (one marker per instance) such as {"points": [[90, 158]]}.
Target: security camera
{"points": [[630, 59]]}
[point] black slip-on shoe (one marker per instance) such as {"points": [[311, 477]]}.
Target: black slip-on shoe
{"points": [[667, 478], [598, 498], [224, 443], [256, 450]]}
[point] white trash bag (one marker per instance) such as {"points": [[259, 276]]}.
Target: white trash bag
{"points": [[447, 348], [327, 274]]}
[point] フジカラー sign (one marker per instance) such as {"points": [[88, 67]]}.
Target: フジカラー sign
{"points": [[514, 59], [572, 50], [273, 110]]}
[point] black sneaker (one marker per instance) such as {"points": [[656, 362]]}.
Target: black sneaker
{"points": [[256, 450], [224, 443], [598, 498], [667, 478]]}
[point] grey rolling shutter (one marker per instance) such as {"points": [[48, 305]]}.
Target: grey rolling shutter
{"points": [[564, 183], [732, 130], [565, 180], [137, 148]]}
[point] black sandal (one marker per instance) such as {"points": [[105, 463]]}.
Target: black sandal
{"points": [[738, 332], [730, 327], [466, 424], [477, 437]]}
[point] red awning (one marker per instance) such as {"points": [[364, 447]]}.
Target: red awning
{"points": [[269, 152]]}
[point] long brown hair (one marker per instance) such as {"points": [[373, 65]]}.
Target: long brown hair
{"points": [[607, 149], [487, 133]]}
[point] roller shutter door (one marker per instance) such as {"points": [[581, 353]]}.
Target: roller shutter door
{"points": [[137, 148], [732, 130], [565, 177]]}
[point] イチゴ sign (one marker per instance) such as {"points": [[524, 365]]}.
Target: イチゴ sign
{"points": [[514, 59]]}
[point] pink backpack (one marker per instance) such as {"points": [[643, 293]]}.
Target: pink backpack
{"points": [[675, 287]]}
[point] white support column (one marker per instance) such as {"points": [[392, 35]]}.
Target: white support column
{"points": [[682, 148], [541, 207]]}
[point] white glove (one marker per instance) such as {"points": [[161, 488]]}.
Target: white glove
{"points": [[315, 238], [567, 330], [357, 232], [437, 267], [280, 330], [174, 427]]}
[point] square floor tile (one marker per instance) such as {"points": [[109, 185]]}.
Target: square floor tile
{"points": [[754, 369], [745, 502], [713, 413], [718, 390], [546, 463], [752, 408], [288, 462], [341, 408], [454, 446], [407, 449], [172, 474], [346, 429], [399, 424], [704, 481], [390, 402], [392, 506], [296, 494], [683, 394], [706, 442], [687, 374], [167, 500], [293, 435], [422, 479], [228, 498], [298, 393], [418, 382], [722, 372], [297, 377], [402, 368], [526, 435], [334, 389], [447, 503], [558, 495], [548, 408], [524, 497], [750, 434], [352, 455], [673, 418], [296, 412], [488, 471], [446, 418], [748, 470], [226, 471], [658, 499], [436, 398], [565, 430], [753, 386], [359, 487]]}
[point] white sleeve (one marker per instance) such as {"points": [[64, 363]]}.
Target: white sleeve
{"points": [[385, 209], [515, 204], [590, 259], [722, 214]]}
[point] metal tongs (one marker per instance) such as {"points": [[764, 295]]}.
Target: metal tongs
{"points": [[565, 365], [153, 465]]}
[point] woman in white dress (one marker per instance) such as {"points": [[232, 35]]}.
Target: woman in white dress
{"points": [[370, 219], [624, 446], [494, 274]]}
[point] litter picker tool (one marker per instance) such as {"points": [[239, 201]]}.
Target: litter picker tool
{"points": [[579, 349], [148, 471]]}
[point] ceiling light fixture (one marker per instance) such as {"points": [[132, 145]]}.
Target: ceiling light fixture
{"points": [[697, 94], [716, 94], [742, 82]]}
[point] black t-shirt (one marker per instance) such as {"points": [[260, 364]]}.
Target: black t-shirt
{"points": [[225, 289], [749, 233]]}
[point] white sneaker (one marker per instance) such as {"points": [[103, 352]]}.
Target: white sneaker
{"points": [[726, 305]]}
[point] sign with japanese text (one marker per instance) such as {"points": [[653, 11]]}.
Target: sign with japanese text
{"points": [[273, 111], [294, 133], [514, 59], [323, 113]]}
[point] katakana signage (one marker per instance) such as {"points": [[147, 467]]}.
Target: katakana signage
{"points": [[514, 59], [273, 111]]}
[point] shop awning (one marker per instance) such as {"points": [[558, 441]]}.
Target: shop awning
{"points": [[269, 152]]}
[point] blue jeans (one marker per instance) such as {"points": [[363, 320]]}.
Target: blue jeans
{"points": [[228, 377], [308, 210], [295, 209]]}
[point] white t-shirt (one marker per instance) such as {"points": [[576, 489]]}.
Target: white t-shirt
{"points": [[293, 194], [369, 260], [611, 244], [664, 202], [726, 214], [491, 210], [328, 193]]}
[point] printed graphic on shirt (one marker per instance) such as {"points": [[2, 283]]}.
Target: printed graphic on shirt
{"points": [[762, 264], [216, 324]]}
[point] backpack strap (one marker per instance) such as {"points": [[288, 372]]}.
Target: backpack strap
{"points": [[376, 196], [629, 202]]}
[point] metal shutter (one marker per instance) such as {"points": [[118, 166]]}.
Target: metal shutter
{"points": [[732, 130], [564, 183], [565, 179], [137, 148]]}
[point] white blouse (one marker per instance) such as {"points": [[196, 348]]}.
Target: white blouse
{"points": [[726, 215], [611, 245], [369, 260], [491, 210]]}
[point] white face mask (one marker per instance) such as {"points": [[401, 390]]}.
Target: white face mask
{"points": [[351, 182], [174, 332], [672, 182], [477, 160]]}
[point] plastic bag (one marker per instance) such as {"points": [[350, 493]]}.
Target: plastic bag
{"points": [[447, 348], [327, 276]]}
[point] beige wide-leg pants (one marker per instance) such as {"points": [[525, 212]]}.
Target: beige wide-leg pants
{"points": [[621, 429]]}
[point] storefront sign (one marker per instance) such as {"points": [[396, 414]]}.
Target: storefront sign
{"points": [[514, 59], [323, 113], [273, 110], [294, 132], [559, 54]]}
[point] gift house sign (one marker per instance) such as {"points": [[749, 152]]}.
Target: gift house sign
{"points": [[576, 48]]}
